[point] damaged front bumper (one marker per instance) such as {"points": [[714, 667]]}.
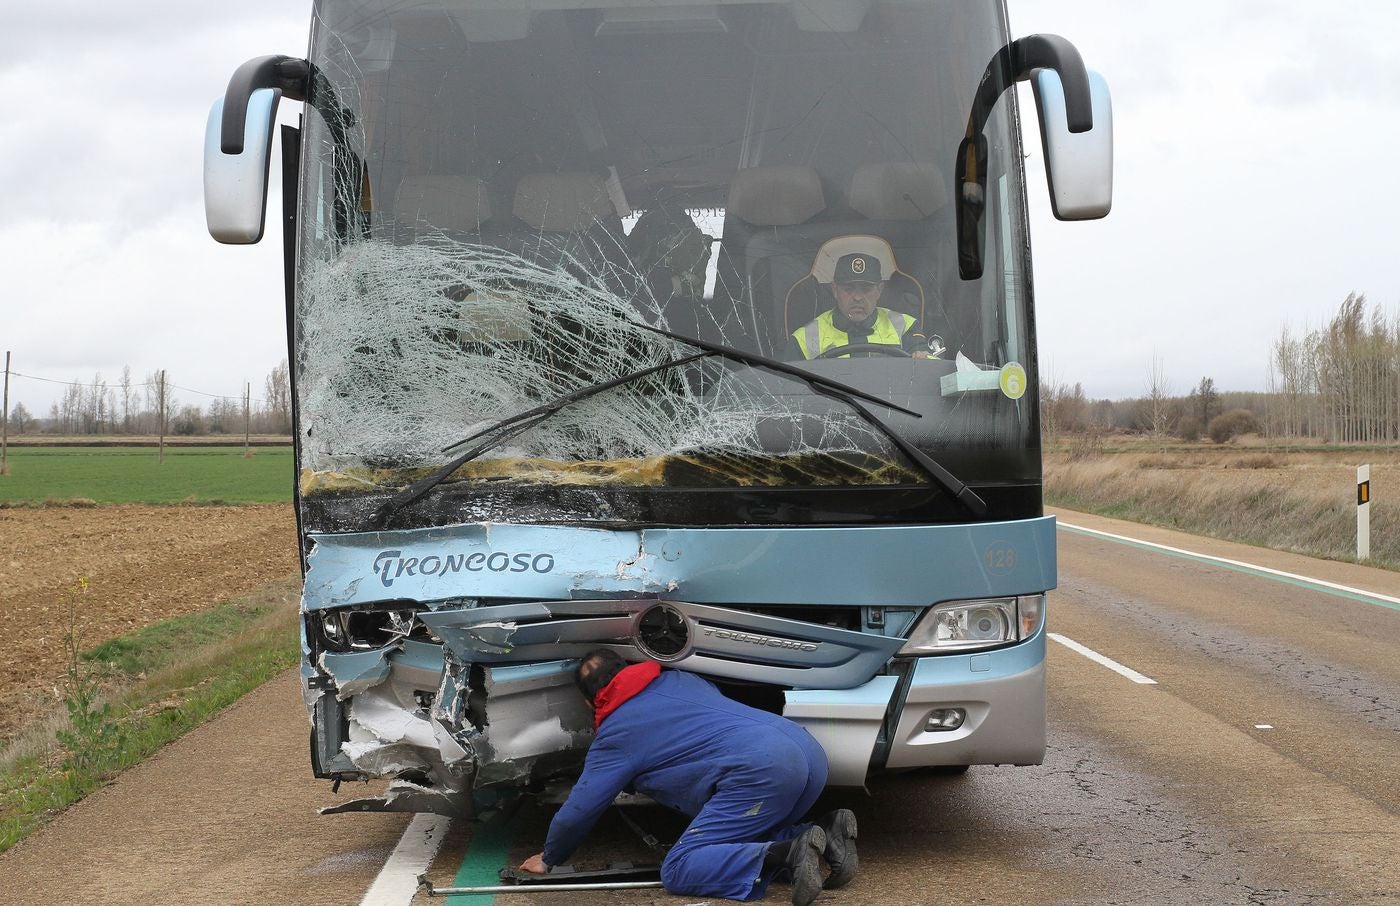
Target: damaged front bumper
{"points": [[490, 700], [458, 690], [480, 712]]}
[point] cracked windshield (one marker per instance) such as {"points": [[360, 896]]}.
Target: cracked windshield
{"points": [[576, 247]]}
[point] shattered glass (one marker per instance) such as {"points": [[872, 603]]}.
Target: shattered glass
{"points": [[418, 346], [470, 254]]}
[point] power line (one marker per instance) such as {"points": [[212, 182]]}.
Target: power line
{"points": [[146, 384]]}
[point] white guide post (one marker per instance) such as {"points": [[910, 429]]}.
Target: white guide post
{"points": [[1363, 512]]}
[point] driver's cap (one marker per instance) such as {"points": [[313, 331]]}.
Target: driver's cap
{"points": [[857, 268]]}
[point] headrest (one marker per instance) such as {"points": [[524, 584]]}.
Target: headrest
{"points": [[447, 202], [776, 196], [833, 250], [563, 201], [903, 191]]}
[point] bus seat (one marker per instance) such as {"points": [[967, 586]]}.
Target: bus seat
{"points": [[563, 202], [451, 205], [775, 196], [568, 218], [765, 204], [897, 191]]}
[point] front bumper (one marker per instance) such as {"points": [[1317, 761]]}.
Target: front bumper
{"points": [[538, 720], [1003, 693]]}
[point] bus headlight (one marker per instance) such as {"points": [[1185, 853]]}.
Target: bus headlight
{"points": [[371, 627], [968, 625]]}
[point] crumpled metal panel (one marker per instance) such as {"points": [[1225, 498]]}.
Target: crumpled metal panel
{"points": [[406, 796], [354, 672], [515, 722], [732, 644]]}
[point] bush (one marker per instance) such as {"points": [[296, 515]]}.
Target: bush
{"points": [[1086, 444], [1256, 461], [1226, 427], [1188, 427]]}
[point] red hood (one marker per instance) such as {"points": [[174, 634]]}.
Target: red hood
{"points": [[626, 684]]}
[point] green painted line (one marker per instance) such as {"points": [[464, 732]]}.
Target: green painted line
{"points": [[1237, 567], [486, 855]]}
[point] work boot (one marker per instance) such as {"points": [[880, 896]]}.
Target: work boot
{"points": [[804, 862], [840, 828]]}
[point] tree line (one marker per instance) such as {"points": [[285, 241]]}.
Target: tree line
{"points": [[1339, 383], [150, 406], [1204, 411]]}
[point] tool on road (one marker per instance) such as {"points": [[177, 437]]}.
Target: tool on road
{"points": [[561, 878]]}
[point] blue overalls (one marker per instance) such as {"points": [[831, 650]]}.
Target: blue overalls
{"points": [[745, 776]]}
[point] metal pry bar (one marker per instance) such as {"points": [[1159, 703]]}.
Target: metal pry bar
{"points": [[433, 891]]}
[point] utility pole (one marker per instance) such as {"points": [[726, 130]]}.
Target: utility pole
{"points": [[160, 413], [247, 392], [5, 421]]}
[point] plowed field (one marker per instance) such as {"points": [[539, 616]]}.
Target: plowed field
{"points": [[142, 565]]}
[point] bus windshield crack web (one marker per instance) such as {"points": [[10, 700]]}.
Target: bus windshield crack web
{"points": [[408, 348]]}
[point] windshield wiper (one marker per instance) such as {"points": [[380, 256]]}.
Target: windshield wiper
{"points": [[851, 396], [509, 427], [513, 425], [945, 479]]}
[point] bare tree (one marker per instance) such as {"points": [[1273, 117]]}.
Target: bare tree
{"points": [[1049, 424], [1064, 408], [20, 419], [1158, 398], [160, 403], [1205, 400], [224, 416], [277, 393], [128, 397], [70, 408], [188, 421]]}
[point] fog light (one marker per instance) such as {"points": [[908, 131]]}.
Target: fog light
{"points": [[945, 719]]}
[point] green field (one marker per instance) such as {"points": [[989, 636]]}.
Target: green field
{"points": [[134, 475]]}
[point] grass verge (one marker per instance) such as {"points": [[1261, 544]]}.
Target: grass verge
{"points": [[1299, 501], [161, 682]]}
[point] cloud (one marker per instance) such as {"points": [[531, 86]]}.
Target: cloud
{"points": [[1254, 188]]}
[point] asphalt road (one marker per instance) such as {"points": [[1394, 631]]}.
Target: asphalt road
{"points": [[1261, 767]]}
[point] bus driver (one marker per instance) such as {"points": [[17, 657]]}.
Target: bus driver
{"points": [[857, 318]]}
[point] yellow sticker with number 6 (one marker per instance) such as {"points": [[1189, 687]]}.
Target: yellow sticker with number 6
{"points": [[1013, 380]]}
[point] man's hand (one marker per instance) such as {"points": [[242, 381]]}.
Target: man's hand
{"points": [[535, 864]]}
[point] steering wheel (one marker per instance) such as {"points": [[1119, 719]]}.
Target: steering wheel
{"points": [[889, 349]]}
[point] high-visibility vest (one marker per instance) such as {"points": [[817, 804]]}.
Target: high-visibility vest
{"points": [[822, 333]]}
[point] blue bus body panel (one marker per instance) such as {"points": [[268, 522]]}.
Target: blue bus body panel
{"points": [[874, 566]]}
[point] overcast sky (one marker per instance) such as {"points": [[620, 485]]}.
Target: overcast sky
{"points": [[1255, 186]]}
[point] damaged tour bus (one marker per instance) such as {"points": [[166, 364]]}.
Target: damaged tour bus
{"points": [[545, 260]]}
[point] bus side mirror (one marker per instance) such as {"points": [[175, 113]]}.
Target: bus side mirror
{"points": [[1078, 144], [238, 145], [235, 185], [1078, 166]]}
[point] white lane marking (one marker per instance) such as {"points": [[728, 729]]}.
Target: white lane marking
{"points": [[1108, 662], [1237, 563], [398, 879]]}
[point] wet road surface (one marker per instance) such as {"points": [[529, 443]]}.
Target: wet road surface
{"points": [[1260, 768]]}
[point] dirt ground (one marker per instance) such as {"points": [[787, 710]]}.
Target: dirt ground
{"points": [[143, 564]]}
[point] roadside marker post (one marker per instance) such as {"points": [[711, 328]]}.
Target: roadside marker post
{"points": [[1363, 512]]}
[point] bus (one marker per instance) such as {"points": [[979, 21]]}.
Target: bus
{"points": [[547, 263]]}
